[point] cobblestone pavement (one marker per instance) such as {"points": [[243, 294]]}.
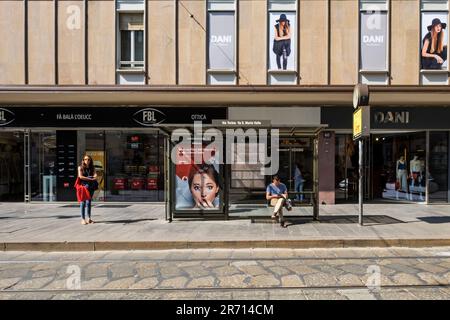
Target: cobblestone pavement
{"points": [[402, 273]]}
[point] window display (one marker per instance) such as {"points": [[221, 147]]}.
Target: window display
{"points": [[399, 167]]}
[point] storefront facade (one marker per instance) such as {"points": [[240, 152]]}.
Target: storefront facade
{"points": [[43, 143], [407, 156]]}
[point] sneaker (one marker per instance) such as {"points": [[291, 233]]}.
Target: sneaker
{"points": [[83, 222]]}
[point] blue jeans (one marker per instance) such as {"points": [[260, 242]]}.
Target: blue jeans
{"points": [[86, 206], [299, 188]]}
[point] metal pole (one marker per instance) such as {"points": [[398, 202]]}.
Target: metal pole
{"points": [[360, 191]]}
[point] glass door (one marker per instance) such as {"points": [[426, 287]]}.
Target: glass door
{"points": [[11, 166]]}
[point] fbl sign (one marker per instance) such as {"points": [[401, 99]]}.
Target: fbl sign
{"points": [[6, 117]]}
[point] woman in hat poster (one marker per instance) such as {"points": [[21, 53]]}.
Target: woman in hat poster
{"points": [[282, 41], [434, 52]]}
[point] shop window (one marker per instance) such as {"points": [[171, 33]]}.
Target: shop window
{"points": [[434, 42], [439, 165], [374, 42], [130, 41], [282, 44], [44, 166], [399, 166], [221, 67]]}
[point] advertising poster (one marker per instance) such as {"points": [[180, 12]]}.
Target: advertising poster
{"points": [[282, 49], [221, 40], [434, 40], [198, 185], [99, 163], [373, 41]]}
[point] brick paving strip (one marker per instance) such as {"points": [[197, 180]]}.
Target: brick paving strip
{"points": [[306, 273]]}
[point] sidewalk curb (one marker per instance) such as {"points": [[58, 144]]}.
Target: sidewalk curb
{"points": [[244, 244]]}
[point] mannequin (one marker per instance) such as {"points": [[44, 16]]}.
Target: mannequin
{"points": [[401, 173], [416, 168]]}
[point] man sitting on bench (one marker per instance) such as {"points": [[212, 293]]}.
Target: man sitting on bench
{"points": [[276, 193]]}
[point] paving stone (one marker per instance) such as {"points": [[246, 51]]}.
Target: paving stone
{"points": [[121, 270], [349, 280], [406, 279], [170, 271], [94, 283], [31, 284], [147, 283], [203, 282], [124, 283], [319, 280], [147, 269], [96, 270], [196, 271], [280, 271], [5, 283], [13, 272], [432, 278], [253, 270], [270, 263], [292, 281], [234, 281], [328, 269], [403, 268], [301, 269], [354, 268], [177, 282], [226, 271], [57, 285], [263, 281], [430, 268]]}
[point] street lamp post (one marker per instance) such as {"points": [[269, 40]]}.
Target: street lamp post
{"points": [[361, 129]]}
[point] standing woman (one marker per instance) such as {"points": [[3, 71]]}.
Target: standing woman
{"points": [[88, 177], [434, 53], [282, 41]]}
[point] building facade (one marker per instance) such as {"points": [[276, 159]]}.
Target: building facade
{"points": [[113, 78]]}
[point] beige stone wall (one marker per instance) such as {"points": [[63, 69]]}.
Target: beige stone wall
{"points": [[405, 42], [313, 42], [252, 42], [344, 42], [101, 42], [71, 28], [161, 42], [192, 42], [41, 42], [12, 52]]}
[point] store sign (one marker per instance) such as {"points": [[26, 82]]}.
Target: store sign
{"points": [[6, 117], [149, 117], [391, 117], [106, 116]]}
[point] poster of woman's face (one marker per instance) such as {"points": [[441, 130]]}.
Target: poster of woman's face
{"points": [[197, 185], [283, 40], [433, 49]]}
